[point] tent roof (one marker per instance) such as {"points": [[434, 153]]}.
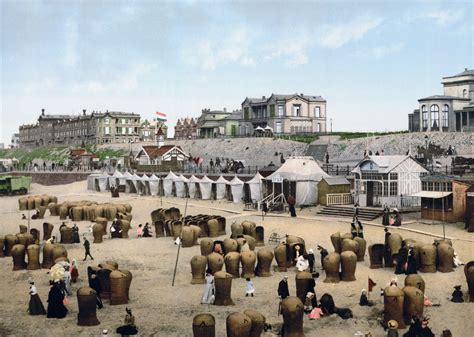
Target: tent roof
{"points": [[257, 179], [153, 178], [171, 176], [127, 174], [117, 174], [299, 169], [221, 180], [104, 175], [206, 179], [144, 177], [183, 178], [194, 179], [236, 181]]}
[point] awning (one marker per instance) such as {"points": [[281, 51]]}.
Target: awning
{"points": [[432, 194]]}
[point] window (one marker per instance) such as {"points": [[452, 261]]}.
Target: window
{"points": [[107, 121], [296, 110], [424, 116], [434, 109], [393, 176], [272, 110], [278, 127], [107, 130], [393, 188], [246, 113], [318, 127], [317, 112], [280, 110], [464, 93], [445, 116]]}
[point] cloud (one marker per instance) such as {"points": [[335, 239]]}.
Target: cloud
{"points": [[379, 52], [442, 17], [127, 81], [294, 51], [210, 54], [337, 35]]}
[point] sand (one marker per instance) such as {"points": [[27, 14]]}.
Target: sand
{"points": [[163, 310]]}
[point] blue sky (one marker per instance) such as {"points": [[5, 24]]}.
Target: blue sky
{"points": [[371, 60]]}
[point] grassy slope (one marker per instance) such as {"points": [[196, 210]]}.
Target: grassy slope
{"points": [[56, 154]]}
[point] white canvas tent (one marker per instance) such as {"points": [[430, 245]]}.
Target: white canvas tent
{"points": [[129, 187], [306, 173], [145, 185], [103, 182], [154, 183], [255, 187], [91, 180], [192, 182], [237, 188], [168, 184], [221, 184], [180, 183], [116, 179], [205, 185], [136, 182]]}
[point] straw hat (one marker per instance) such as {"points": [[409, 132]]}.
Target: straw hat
{"points": [[392, 324]]}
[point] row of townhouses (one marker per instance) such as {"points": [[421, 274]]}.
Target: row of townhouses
{"points": [[276, 114], [94, 128]]}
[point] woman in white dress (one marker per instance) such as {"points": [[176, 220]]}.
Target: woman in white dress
{"points": [[209, 290]]}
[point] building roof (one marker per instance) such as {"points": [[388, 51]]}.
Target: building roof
{"points": [[385, 163], [466, 72], [153, 151], [332, 181], [438, 178], [285, 97], [441, 97]]}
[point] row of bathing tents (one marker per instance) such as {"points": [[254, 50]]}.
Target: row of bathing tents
{"points": [[174, 185], [299, 176]]}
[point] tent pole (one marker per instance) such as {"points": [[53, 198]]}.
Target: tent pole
{"points": [[179, 244]]}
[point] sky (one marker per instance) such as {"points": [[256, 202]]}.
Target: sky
{"points": [[371, 60]]}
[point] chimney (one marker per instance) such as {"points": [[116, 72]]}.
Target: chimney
{"points": [[225, 109], [302, 94], [42, 112], [263, 97], [83, 112], [465, 69]]}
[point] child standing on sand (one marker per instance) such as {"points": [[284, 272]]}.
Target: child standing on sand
{"points": [[250, 288]]}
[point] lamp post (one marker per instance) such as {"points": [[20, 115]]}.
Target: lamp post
{"points": [[330, 123]]}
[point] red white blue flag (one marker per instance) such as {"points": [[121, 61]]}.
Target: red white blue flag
{"points": [[161, 116]]}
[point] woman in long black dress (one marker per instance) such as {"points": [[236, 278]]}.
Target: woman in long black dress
{"points": [[56, 308], [402, 257], [412, 265], [35, 307]]}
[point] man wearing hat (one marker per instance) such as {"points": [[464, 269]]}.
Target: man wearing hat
{"points": [[392, 326]]}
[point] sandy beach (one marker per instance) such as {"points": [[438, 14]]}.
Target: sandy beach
{"points": [[163, 310]]}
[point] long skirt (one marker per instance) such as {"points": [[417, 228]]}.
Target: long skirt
{"points": [[35, 307]]}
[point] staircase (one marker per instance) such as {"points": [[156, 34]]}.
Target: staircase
{"points": [[365, 214], [318, 152]]}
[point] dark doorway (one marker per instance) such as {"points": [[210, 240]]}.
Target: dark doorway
{"points": [[370, 193], [458, 121]]}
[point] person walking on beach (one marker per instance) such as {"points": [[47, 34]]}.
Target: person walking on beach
{"points": [[35, 307], [291, 205], [87, 248]]}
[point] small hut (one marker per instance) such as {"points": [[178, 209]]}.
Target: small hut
{"points": [[334, 191]]}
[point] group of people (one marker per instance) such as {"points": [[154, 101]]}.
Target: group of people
{"points": [[389, 219], [144, 231]]}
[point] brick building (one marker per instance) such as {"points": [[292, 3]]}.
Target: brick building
{"points": [[94, 128], [186, 128]]}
